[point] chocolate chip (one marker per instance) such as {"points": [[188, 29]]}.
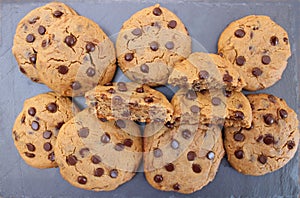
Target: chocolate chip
{"points": [[169, 45], [23, 119], [95, 159], [286, 40], [111, 90], [227, 78], [186, 134], [176, 187], [35, 125], [256, 72], [259, 138], [32, 58], [70, 40], [47, 134], [216, 101], [238, 115], [169, 167], [144, 68], [262, 159], [137, 32], [90, 72], [172, 24], [283, 113], [203, 74], [51, 157], [105, 138], [239, 154], [169, 125], [83, 132], [154, 46], [174, 144], [210, 155], [82, 180], [63, 69], [32, 111], [120, 124], [191, 95], [268, 139], [128, 142], [265, 59], [113, 173], [272, 98], [157, 11], [76, 85], [269, 119], [45, 43], [52, 107], [30, 147], [33, 20], [47, 146], [98, 172], [240, 60], [157, 152], [239, 33], [122, 86], [274, 40], [108, 84], [158, 178], [291, 144], [191, 155], [195, 109], [196, 168], [140, 90], [117, 100], [239, 137], [41, 30], [57, 14], [119, 147], [251, 127], [22, 70], [90, 47], [148, 99], [30, 155], [83, 152], [129, 56], [30, 38], [227, 93], [59, 125]]}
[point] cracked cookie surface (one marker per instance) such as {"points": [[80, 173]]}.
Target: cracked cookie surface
{"points": [[36, 128], [150, 43], [269, 143], [77, 56], [258, 48], [97, 154], [30, 33]]}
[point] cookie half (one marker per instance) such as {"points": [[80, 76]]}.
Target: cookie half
{"points": [[269, 143]]}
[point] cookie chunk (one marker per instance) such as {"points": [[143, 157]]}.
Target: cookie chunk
{"points": [[77, 56], [98, 155], [150, 43], [129, 101], [206, 71], [36, 128], [269, 143], [214, 106], [182, 159], [31, 34], [258, 48]]}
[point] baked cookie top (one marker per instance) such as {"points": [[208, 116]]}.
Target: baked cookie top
{"points": [[258, 48], [269, 143]]}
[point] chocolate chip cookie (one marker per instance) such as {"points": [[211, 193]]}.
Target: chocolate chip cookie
{"points": [[206, 71], [211, 106], [129, 101], [269, 143], [36, 128], [150, 43], [31, 33], [258, 48], [77, 56], [98, 155], [182, 159]]}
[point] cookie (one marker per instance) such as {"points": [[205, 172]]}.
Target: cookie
{"points": [[269, 143], [129, 101], [258, 48], [31, 33], [182, 159], [211, 107], [98, 155], [36, 128], [77, 56], [149, 43], [202, 71]]}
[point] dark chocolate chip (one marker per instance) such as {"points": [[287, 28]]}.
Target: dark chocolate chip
{"points": [[240, 60], [90, 47], [47, 134], [265, 59], [169, 45], [239, 137], [157, 152], [291, 144], [169, 125], [238, 115], [111, 90], [172, 24], [186, 134], [22, 70], [227, 78], [30, 38], [140, 90], [30, 155], [83, 152], [203, 74], [117, 100], [63, 69], [216, 101], [129, 56], [51, 157], [195, 109], [33, 20], [174, 144], [52, 107], [191, 155], [41, 30], [148, 99], [256, 72], [169, 167], [144, 68], [32, 58], [122, 86], [76, 85], [82, 180], [227, 93], [70, 40], [119, 147], [239, 154], [259, 138], [137, 32], [269, 119], [57, 14], [158, 178], [251, 127], [59, 125], [32, 111], [176, 187], [286, 40], [108, 84], [272, 98], [90, 72], [157, 11], [30, 147], [239, 33], [113, 173], [35, 125], [283, 113], [47, 146], [83, 132], [105, 138], [98, 172], [154, 46], [196, 168], [128, 142], [120, 124], [210, 155], [191, 95], [268, 139], [262, 159], [274, 40], [96, 159], [23, 119]]}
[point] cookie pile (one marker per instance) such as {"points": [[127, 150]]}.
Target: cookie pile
{"points": [[181, 145]]}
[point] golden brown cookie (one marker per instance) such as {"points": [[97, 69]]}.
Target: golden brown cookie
{"points": [[269, 143], [258, 48]]}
